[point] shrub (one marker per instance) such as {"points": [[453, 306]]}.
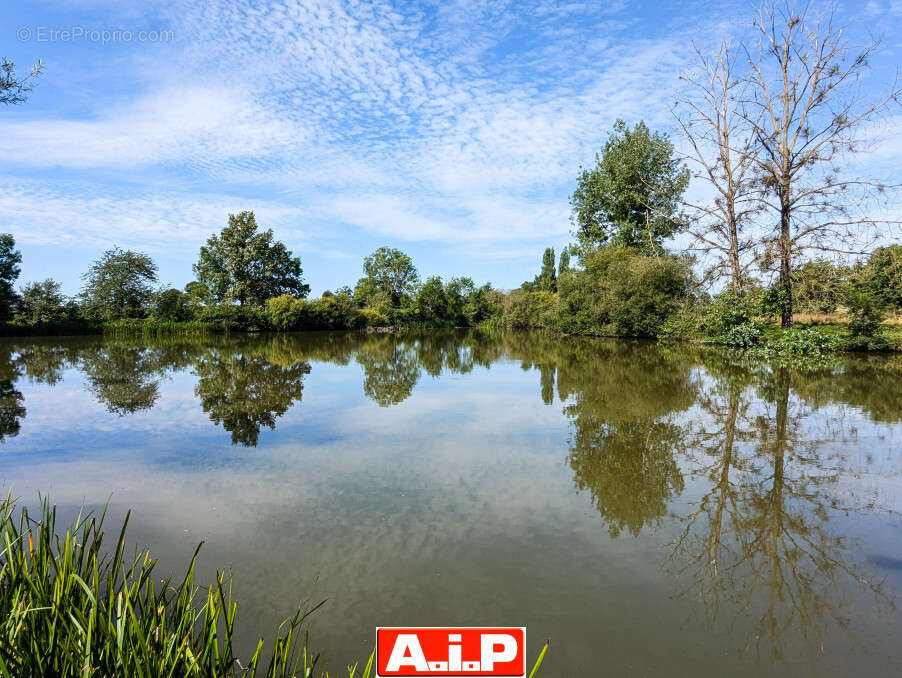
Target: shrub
{"points": [[286, 312], [373, 318], [232, 318], [809, 344], [730, 318], [867, 311], [337, 312], [618, 290], [532, 309]]}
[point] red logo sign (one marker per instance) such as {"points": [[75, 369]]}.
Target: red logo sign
{"points": [[439, 651]]}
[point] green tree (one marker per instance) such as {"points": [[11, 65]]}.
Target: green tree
{"points": [[390, 276], [631, 195], [10, 258], [198, 293], [431, 303], [819, 286], [172, 305], [118, 285], [547, 280], [245, 265], [14, 88], [42, 302], [564, 264], [884, 272]]}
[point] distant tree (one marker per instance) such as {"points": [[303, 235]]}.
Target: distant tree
{"points": [[389, 276], [547, 280], [884, 272], [248, 266], [10, 258], [564, 264], [198, 293], [14, 89], [431, 301], [42, 302], [119, 285], [820, 286], [631, 196], [805, 105], [172, 305]]}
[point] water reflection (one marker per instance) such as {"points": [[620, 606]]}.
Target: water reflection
{"points": [[244, 388], [737, 463]]}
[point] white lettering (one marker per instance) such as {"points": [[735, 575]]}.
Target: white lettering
{"points": [[404, 643]]}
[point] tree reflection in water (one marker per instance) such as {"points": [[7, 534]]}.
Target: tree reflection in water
{"points": [[755, 540]]}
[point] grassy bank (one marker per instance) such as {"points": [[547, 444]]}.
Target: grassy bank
{"points": [[70, 606]]}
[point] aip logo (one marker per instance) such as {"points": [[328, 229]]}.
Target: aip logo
{"points": [[442, 651]]}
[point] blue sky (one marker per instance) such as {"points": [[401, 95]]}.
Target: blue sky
{"points": [[453, 130]]}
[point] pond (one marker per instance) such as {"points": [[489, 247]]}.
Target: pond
{"points": [[654, 510]]}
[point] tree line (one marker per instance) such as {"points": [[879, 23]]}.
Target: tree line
{"points": [[769, 119], [245, 280]]}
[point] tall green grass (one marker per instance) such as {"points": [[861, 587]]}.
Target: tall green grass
{"points": [[69, 607]]}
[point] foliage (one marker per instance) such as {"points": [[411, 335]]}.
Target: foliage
{"points": [[884, 273], [867, 309], [389, 278], [619, 290], [630, 197], [373, 318], [819, 286], [10, 258], [70, 608], [118, 285], [540, 310], [171, 305], [42, 302], [730, 318], [546, 280], [337, 312], [245, 265], [431, 304], [285, 312], [232, 318], [801, 347], [14, 89]]}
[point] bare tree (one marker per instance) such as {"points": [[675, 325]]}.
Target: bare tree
{"points": [[722, 153], [14, 88], [807, 112]]}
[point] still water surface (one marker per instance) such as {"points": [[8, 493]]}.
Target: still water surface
{"points": [[654, 510]]}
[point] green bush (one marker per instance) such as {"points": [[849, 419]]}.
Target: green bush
{"points": [[373, 318], [622, 292], [338, 312], [532, 309], [730, 318], [806, 344], [867, 311], [233, 318], [286, 312]]}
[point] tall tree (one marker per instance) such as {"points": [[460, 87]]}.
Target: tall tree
{"points": [[631, 196], [807, 112], [721, 150], [389, 276], [245, 265], [548, 277], [10, 258], [119, 285], [564, 264], [14, 88]]}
